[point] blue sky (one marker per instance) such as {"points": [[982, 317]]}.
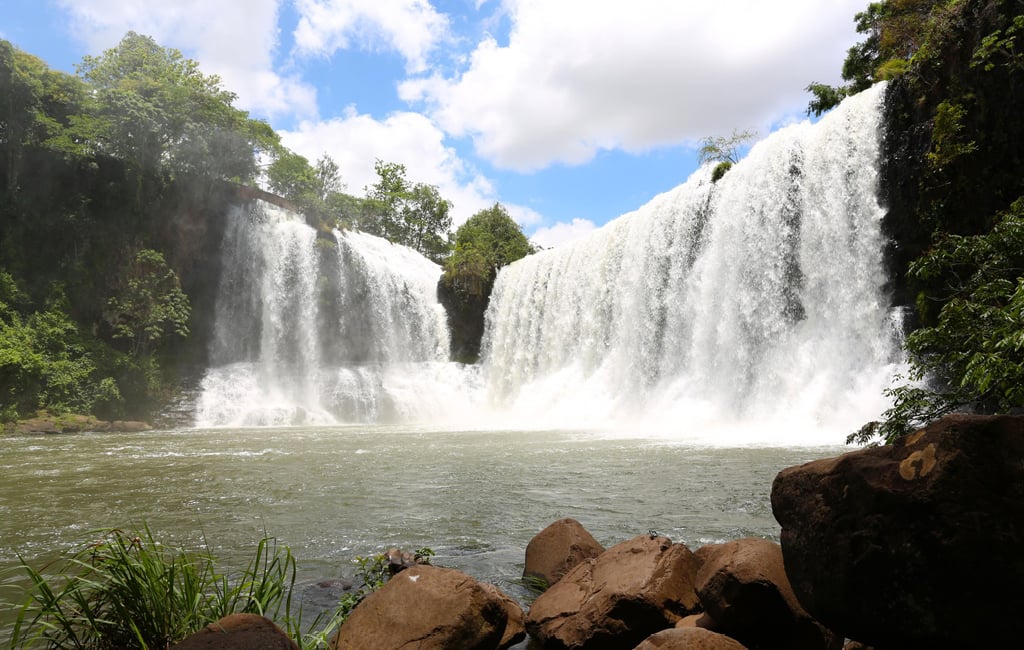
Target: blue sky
{"points": [[569, 112]]}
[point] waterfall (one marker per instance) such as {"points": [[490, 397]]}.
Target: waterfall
{"points": [[748, 310], [315, 329], [753, 301]]}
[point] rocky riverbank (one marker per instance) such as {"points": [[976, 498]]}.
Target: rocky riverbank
{"points": [[46, 423], [910, 546]]}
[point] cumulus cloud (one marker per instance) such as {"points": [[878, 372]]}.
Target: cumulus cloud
{"points": [[232, 40], [356, 140], [576, 77], [562, 233], [413, 28]]}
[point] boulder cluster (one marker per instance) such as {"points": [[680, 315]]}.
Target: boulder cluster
{"points": [[914, 545]]}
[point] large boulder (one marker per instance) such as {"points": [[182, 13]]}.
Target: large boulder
{"points": [[554, 551], [689, 638], [618, 599], [743, 587], [239, 632], [430, 608], [912, 545]]}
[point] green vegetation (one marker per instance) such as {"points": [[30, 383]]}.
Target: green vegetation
{"points": [[129, 591], [113, 187], [894, 31], [412, 214], [972, 356], [723, 150], [488, 241], [955, 195]]}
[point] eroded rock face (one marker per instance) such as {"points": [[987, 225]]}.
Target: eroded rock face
{"points": [[743, 587], [618, 599], [689, 638], [429, 608], [239, 632], [909, 545], [554, 551]]}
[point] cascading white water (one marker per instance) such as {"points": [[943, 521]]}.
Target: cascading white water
{"points": [[747, 310], [313, 330], [751, 303]]}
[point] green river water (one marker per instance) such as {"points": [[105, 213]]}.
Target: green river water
{"points": [[332, 493]]}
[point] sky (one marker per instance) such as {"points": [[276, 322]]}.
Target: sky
{"points": [[567, 112]]}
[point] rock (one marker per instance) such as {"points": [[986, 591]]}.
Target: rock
{"points": [[701, 620], [129, 426], [399, 560], [689, 638], [239, 632], [554, 551], [430, 607], [744, 589], [45, 423], [915, 544], [618, 599]]}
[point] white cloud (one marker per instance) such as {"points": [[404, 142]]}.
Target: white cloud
{"points": [[577, 77], [233, 40], [410, 27], [562, 233], [356, 140]]}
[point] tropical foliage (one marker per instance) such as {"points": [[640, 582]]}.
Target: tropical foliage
{"points": [[488, 241], [128, 591], [412, 214], [107, 181], [953, 189], [972, 355], [894, 31]]}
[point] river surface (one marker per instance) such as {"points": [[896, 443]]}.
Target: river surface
{"points": [[332, 493]]}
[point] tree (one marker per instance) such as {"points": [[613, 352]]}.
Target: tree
{"points": [[151, 306], [488, 241], [327, 178], [291, 176], [44, 360], [158, 112], [971, 354], [413, 215], [724, 150], [36, 105], [894, 30]]}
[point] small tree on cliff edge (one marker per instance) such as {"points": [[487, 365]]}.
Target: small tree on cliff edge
{"points": [[724, 150], [489, 240]]}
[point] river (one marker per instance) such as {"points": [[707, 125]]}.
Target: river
{"points": [[333, 493]]}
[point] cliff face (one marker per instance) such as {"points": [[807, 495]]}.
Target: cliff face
{"points": [[952, 149]]}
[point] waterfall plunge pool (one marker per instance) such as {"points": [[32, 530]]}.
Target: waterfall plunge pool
{"points": [[333, 493]]}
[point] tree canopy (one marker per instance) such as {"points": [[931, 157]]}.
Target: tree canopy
{"points": [[158, 111], [489, 240], [412, 214], [894, 31]]}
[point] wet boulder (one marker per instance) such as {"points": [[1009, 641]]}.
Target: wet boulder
{"points": [[430, 607], [743, 588], [915, 544], [554, 551], [239, 632], [618, 599]]}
